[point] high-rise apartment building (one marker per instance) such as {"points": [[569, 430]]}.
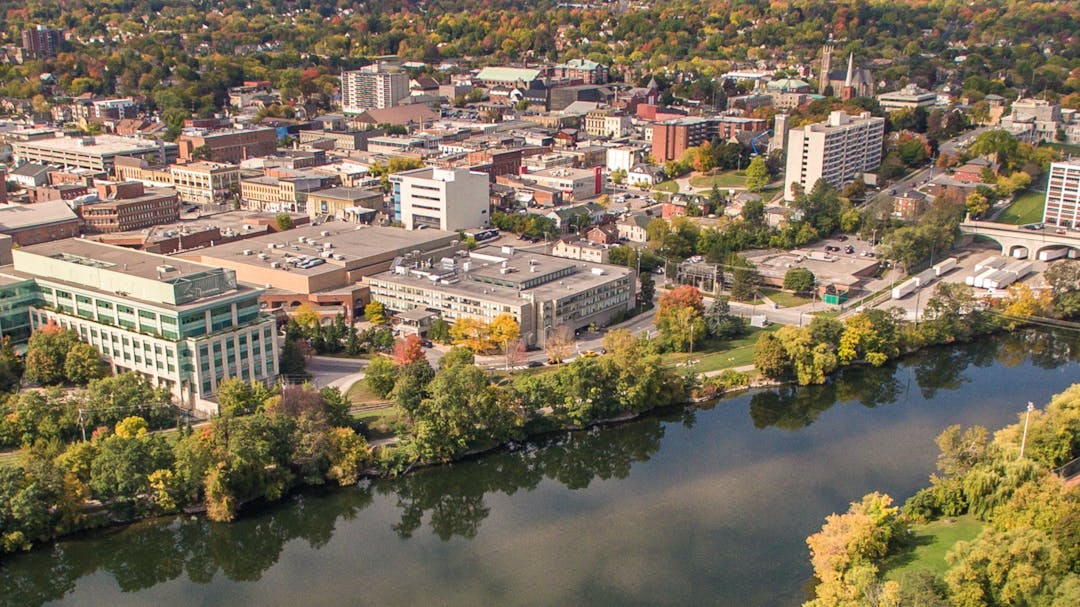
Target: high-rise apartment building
{"points": [[183, 325], [1063, 195], [837, 150], [41, 41], [372, 87], [444, 199]]}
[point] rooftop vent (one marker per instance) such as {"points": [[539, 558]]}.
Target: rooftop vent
{"points": [[164, 269], [249, 252], [324, 233]]}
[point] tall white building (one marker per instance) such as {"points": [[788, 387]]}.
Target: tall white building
{"points": [[372, 87], [1063, 195], [444, 199], [837, 150]]}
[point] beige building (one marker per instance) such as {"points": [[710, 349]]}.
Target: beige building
{"points": [[195, 182], [607, 123], [348, 204], [541, 292], [575, 184], [582, 250], [1063, 195], [322, 264], [372, 87], [838, 150], [96, 153], [273, 195]]}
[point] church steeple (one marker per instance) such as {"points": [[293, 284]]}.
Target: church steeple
{"points": [[850, 70], [826, 66]]}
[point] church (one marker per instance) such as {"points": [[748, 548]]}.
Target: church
{"points": [[855, 82]]}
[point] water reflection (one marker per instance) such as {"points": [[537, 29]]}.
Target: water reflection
{"points": [[454, 502]]}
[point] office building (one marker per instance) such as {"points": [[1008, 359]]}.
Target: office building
{"points": [[1063, 195], [41, 41], [201, 183], [29, 224], [837, 150], [542, 293], [98, 152], [230, 146], [348, 204], [128, 205], [372, 87], [183, 325], [444, 199], [671, 138], [322, 265], [575, 184], [911, 96]]}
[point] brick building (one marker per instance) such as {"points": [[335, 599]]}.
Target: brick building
{"points": [[228, 146], [128, 205]]}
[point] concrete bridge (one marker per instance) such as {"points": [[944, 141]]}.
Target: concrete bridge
{"points": [[1017, 241]]}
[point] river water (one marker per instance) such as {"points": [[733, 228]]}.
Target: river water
{"points": [[703, 507]]}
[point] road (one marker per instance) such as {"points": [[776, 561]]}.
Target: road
{"points": [[330, 371]]}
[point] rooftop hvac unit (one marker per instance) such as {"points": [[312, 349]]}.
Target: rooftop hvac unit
{"points": [[324, 233], [327, 245], [166, 268], [312, 242], [275, 264], [339, 257], [248, 252], [264, 256], [271, 245], [326, 254]]}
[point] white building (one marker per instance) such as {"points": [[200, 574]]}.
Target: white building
{"points": [[911, 96], [372, 87], [837, 150], [445, 199], [621, 158], [1063, 195], [575, 184]]}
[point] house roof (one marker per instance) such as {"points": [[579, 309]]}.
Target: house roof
{"points": [[30, 169], [402, 114]]}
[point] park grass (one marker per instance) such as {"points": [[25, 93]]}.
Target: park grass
{"points": [[717, 355], [9, 458], [726, 179], [930, 543], [360, 394], [670, 186], [785, 299], [1027, 208], [1062, 147]]}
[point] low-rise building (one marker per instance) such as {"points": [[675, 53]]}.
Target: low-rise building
{"points": [[29, 224], [127, 206], [580, 249], [575, 184], [632, 228], [229, 145], [348, 204], [911, 96], [542, 293], [97, 152], [443, 199], [185, 326]]}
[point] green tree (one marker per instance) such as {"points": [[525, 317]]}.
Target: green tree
{"points": [[239, 397], [1064, 280], [757, 174], [381, 375], [799, 280], [462, 411], [440, 331], [1015, 567], [976, 204], [46, 353], [83, 363], [11, 365], [721, 323], [284, 221], [771, 357], [293, 362]]}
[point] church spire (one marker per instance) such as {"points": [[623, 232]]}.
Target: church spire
{"points": [[850, 70]]}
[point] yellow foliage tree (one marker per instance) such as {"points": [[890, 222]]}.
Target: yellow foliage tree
{"points": [[503, 330], [472, 333], [132, 427], [306, 316]]}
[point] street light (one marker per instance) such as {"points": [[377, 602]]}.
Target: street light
{"points": [[1023, 441]]}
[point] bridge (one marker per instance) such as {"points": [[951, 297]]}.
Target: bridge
{"points": [[1016, 239]]}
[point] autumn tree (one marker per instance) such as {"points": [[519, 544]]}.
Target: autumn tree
{"points": [[680, 317], [381, 375], [559, 343], [408, 350], [757, 174], [306, 316], [503, 330], [472, 333], [375, 313], [1064, 280]]}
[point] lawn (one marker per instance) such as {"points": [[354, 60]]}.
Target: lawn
{"points": [[1027, 208], [727, 179], [722, 355], [930, 544], [9, 458], [360, 394], [785, 299], [671, 186]]}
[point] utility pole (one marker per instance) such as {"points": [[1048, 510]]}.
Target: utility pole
{"points": [[1023, 441]]}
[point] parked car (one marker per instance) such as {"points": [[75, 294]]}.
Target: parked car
{"points": [[427, 343], [841, 238], [849, 249]]}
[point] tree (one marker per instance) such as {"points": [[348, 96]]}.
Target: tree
{"points": [[515, 353], [648, 289], [375, 313], [618, 176], [11, 366], [721, 323], [976, 204], [869, 336], [239, 397], [770, 357], [799, 280], [381, 375], [293, 362], [472, 333], [559, 343], [744, 279], [757, 174], [679, 317], [284, 221], [462, 411], [1014, 567], [408, 351], [503, 330], [440, 331], [1064, 280], [457, 356], [83, 363], [306, 316], [46, 353]]}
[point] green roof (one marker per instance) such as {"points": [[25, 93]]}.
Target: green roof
{"points": [[508, 74]]}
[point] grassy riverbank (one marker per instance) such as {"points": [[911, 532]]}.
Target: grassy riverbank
{"points": [[929, 544]]}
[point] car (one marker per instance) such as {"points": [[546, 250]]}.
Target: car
{"points": [[841, 238], [831, 248], [849, 249], [427, 343], [535, 363]]}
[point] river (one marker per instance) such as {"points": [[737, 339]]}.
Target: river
{"points": [[698, 507]]}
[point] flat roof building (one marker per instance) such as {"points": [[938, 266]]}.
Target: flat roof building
{"points": [[29, 224], [183, 325], [343, 203], [443, 199], [541, 292], [837, 150], [911, 96], [322, 264], [98, 152], [1063, 195]]}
